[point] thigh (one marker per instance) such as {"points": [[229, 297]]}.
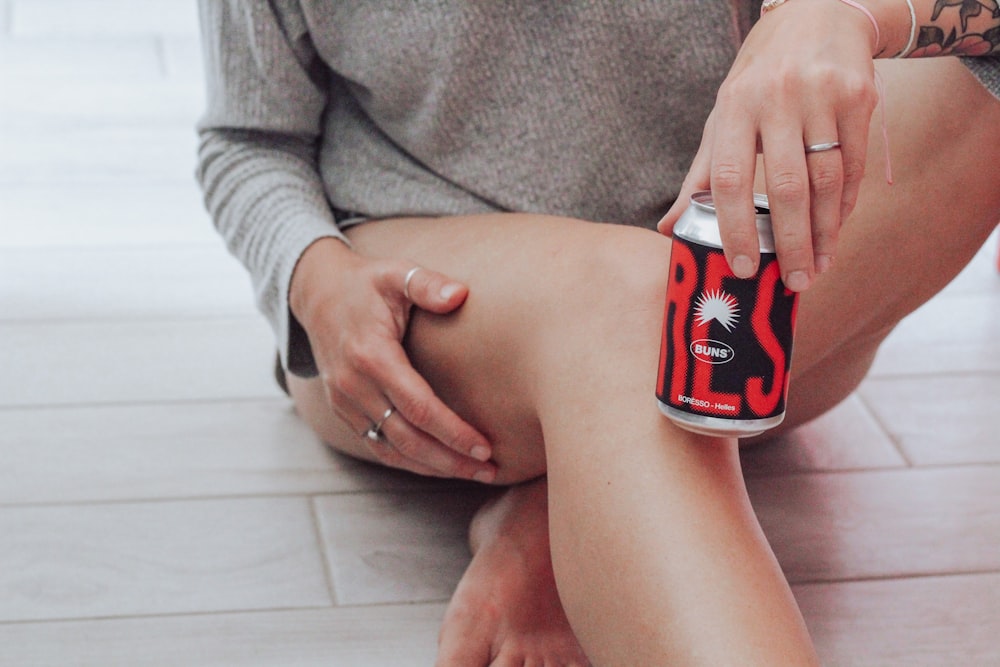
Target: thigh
{"points": [[542, 286], [538, 285], [904, 242]]}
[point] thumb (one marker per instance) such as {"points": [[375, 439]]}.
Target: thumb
{"points": [[697, 179], [667, 222], [433, 291]]}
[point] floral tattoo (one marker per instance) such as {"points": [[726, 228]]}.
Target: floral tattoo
{"points": [[933, 40]]}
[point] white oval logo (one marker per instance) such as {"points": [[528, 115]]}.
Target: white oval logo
{"points": [[712, 351]]}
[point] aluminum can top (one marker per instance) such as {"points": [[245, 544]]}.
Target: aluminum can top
{"points": [[694, 225]]}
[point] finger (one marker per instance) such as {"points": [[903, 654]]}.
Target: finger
{"points": [[416, 401], [853, 132], [826, 176], [787, 182], [379, 449], [375, 440], [393, 441], [433, 291], [359, 404], [732, 174], [417, 446], [386, 453]]}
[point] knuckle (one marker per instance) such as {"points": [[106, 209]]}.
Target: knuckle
{"points": [[418, 411], [728, 177], [825, 238], [860, 91], [790, 240], [796, 255], [407, 447], [826, 179], [382, 271], [742, 238], [341, 381], [735, 90], [366, 358], [854, 169], [787, 187]]}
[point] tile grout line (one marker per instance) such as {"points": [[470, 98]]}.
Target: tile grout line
{"points": [[909, 576], [196, 498], [416, 489], [931, 375], [150, 403], [111, 618], [889, 470], [331, 587], [893, 438]]}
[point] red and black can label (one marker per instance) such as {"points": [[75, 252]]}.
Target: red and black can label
{"points": [[726, 349]]}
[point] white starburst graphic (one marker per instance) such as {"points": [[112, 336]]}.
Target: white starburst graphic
{"points": [[719, 306]]}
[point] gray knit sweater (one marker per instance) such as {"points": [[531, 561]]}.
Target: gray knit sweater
{"points": [[592, 109]]}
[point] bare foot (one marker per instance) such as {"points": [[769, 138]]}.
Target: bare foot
{"points": [[506, 610]]}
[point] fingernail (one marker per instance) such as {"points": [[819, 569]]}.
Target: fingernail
{"points": [[485, 476], [480, 453], [823, 263], [743, 266], [449, 291], [797, 281]]}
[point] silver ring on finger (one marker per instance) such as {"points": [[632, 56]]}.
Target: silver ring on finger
{"points": [[406, 282], [374, 432], [825, 146]]}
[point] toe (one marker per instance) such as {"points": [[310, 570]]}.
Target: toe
{"points": [[466, 638]]}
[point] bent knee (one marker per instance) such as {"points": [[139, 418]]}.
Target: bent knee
{"points": [[610, 291]]}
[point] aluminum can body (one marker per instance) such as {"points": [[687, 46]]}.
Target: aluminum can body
{"points": [[726, 349]]}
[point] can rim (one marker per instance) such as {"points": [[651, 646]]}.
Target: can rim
{"points": [[704, 201]]}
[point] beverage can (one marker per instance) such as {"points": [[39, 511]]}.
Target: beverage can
{"points": [[726, 349]]}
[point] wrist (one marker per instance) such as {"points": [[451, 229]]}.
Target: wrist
{"points": [[887, 23], [318, 264], [895, 23]]}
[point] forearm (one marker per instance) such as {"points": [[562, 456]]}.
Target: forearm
{"points": [[922, 28], [936, 27]]}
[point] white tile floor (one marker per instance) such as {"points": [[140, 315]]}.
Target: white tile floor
{"points": [[160, 504]]}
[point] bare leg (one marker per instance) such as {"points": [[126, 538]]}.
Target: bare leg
{"points": [[553, 356], [906, 241], [613, 470], [505, 610]]}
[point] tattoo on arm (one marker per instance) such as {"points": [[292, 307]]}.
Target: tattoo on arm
{"points": [[950, 34]]}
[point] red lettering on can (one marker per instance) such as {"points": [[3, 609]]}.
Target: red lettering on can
{"points": [[765, 401], [683, 282]]}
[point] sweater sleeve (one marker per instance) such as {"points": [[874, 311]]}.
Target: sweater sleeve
{"points": [[257, 159]]}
